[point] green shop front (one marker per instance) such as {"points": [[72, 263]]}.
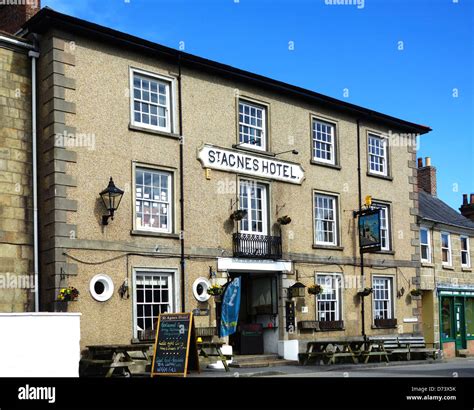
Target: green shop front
{"points": [[456, 315]]}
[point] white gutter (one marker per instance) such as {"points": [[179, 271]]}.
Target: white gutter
{"points": [[34, 55], [16, 42]]}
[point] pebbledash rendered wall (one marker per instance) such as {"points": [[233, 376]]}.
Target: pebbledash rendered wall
{"points": [[16, 232], [86, 91]]}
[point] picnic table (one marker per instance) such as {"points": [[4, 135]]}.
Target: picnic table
{"points": [[330, 350], [355, 348], [112, 357], [212, 347]]}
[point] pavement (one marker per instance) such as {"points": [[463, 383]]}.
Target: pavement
{"points": [[459, 367]]}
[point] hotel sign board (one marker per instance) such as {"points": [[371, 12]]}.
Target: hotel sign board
{"points": [[249, 164]]}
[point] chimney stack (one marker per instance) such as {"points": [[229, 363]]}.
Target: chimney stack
{"points": [[15, 13], [426, 176], [467, 208]]}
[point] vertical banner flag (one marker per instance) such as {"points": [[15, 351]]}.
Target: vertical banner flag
{"points": [[230, 308]]}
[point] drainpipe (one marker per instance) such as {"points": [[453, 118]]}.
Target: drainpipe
{"points": [[181, 186], [359, 182], [34, 55]]}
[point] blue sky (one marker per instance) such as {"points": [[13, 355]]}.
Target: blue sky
{"points": [[427, 79]]}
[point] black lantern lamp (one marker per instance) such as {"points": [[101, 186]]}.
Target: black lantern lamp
{"points": [[111, 196], [296, 290]]}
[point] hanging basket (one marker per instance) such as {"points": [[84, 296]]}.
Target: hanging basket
{"points": [[365, 292], [315, 289], [238, 215], [284, 220]]}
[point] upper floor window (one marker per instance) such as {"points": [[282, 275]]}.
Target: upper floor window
{"points": [[465, 254], [377, 147], [446, 248], [425, 245], [153, 200], [151, 101], [384, 226], [325, 219], [253, 199], [324, 147], [252, 125]]}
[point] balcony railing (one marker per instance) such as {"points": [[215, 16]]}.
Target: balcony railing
{"points": [[256, 246]]}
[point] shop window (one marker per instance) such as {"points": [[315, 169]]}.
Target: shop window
{"points": [[469, 311], [447, 331]]}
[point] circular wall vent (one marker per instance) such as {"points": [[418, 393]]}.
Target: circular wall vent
{"points": [[101, 287], [200, 287]]}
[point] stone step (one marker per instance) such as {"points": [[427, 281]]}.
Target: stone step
{"points": [[266, 363], [254, 358]]}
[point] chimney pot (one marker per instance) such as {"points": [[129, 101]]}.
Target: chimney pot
{"points": [[472, 199], [464, 199], [420, 162], [428, 162]]}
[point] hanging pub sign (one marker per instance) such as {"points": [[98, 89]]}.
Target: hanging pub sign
{"points": [[250, 164], [175, 346], [369, 230]]}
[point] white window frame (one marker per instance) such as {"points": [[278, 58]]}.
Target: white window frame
{"points": [[391, 305], [336, 284], [385, 208], [332, 144], [170, 202], [335, 220], [466, 251], [172, 293], [449, 248], [384, 157], [428, 245], [262, 129], [170, 84], [251, 184]]}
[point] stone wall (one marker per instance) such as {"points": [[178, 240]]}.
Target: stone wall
{"points": [[16, 216]]}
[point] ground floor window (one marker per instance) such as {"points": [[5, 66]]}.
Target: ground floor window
{"points": [[153, 295], [470, 317], [447, 329], [382, 297], [329, 301]]}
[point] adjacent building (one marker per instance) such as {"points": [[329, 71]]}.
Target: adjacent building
{"points": [[446, 276], [16, 204], [213, 162]]}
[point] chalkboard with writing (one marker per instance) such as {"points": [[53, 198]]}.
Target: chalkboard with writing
{"points": [[175, 345]]}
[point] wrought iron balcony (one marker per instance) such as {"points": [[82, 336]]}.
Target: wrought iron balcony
{"points": [[247, 245]]}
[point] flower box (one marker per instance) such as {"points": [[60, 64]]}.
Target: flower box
{"points": [[331, 324], [385, 323], [308, 325]]}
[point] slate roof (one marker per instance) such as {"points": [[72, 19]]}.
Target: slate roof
{"points": [[434, 209]]}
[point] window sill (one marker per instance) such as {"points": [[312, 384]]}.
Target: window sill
{"points": [[447, 267], [253, 151], [136, 232], [386, 177], [383, 327], [385, 252], [427, 265], [154, 132], [466, 269], [324, 164], [329, 247]]}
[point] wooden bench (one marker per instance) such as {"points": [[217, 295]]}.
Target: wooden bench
{"points": [[405, 345]]}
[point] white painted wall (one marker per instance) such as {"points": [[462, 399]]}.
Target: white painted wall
{"points": [[40, 344]]}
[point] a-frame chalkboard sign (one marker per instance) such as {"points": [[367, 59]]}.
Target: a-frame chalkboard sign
{"points": [[175, 345]]}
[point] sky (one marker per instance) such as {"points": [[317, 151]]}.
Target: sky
{"points": [[412, 59]]}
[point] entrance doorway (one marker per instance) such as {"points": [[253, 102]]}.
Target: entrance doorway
{"points": [[257, 329]]}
